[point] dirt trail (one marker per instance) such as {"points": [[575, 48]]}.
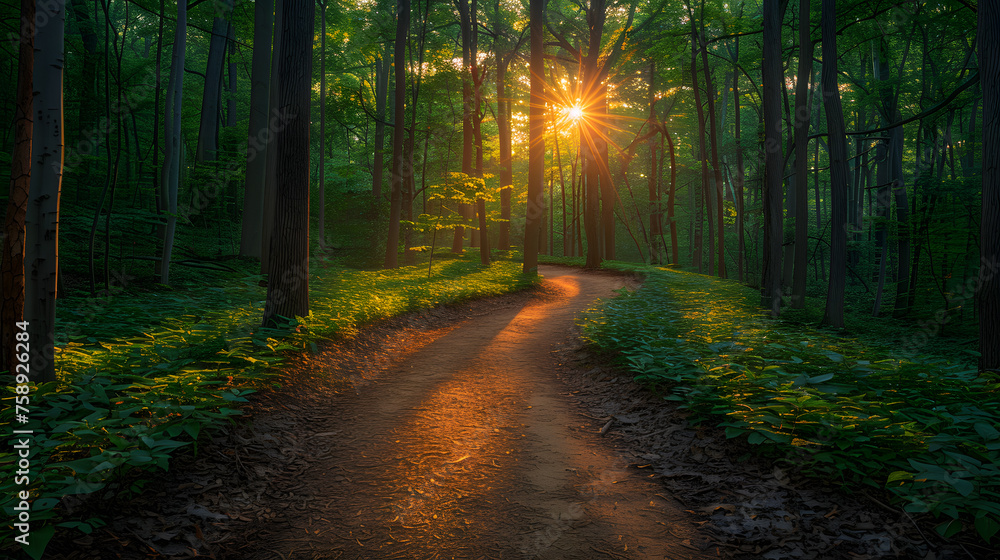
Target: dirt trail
{"points": [[470, 448]]}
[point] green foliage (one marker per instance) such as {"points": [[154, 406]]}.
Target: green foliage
{"points": [[842, 409], [149, 374]]}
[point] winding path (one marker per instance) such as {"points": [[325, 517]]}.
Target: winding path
{"points": [[470, 447]]}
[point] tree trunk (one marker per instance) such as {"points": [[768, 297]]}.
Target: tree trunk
{"points": [[740, 215], [609, 196], [396, 196], [773, 158], [988, 301], [703, 157], [381, 88], [321, 203], [713, 131], [536, 139], [271, 162], [288, 281], [504, 133], [655, 214], [801, 120], [465, 27], [41, 254], [259, 136], [172, 140], [208, 133], [838, 169], [231, 102], [12, 274], [674, 254], [901, 307]]}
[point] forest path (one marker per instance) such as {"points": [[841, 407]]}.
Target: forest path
{"points": [[469, 447]]}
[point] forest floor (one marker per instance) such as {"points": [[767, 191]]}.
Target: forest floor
{"points": [[484, 430]]}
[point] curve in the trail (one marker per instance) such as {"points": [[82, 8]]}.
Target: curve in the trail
{"points": [[468, 448]]}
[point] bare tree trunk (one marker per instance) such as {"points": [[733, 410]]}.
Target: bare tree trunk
{"points": [[674, 253], [988, 301], [381, 88], [773, 158], [536, 139], [322, 128], [231, 102], [716, 193], [504, 133], [801, 120], [12, 274], [271, 162], [41, 254], [740, 214], [834, 315], [396, 196], [258, 137], [208, 134], [609, 196], [655, 213], [288, 282], [703, 157], [172, 140]]}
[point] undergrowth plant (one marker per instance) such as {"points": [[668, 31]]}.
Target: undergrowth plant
{"points": [[149, 373], [840, 408]]}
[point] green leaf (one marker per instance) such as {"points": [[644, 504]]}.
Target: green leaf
{"points": [[987, 432], [899, 475], [987, 527], [38, 541], [949, 528], [756, 438]]}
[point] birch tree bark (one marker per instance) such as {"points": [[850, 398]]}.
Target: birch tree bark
{"points": [[41, 254]]}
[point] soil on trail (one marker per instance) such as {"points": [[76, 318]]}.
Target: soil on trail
{"points": [[486, 430], [469, 447]]}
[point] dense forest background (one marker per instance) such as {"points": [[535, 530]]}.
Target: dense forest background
{"points": [[659, 106]]}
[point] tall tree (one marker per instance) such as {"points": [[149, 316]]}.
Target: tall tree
{"points": [[271, 162], [536, 141], [773, 158], [208, 134], [258, 138], [288, 280], [988, 40], [321, 218], [504, 56], [802, 118], [41, 254], [12, 274], [838, 168], [396, 196], [713, 135], [465, 31], [172, 139], [382, 67]]}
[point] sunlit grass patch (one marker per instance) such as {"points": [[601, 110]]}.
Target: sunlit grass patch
{"points": [[141, 376], [840, 407]]}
